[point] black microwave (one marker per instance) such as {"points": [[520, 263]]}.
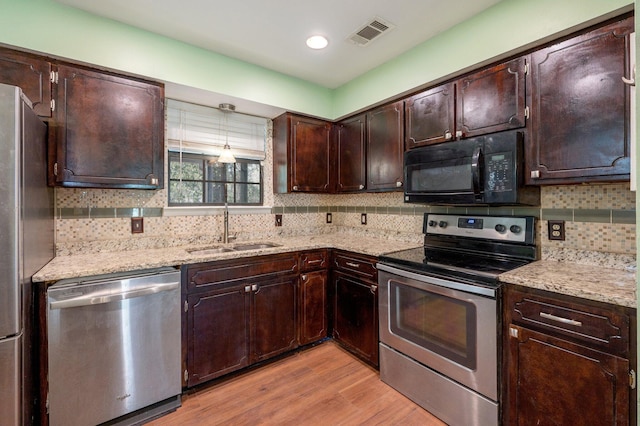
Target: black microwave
{"points": [[482, 170]]}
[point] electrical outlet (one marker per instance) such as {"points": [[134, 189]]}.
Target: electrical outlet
{"points": [[363, 218], [329, 218], [137, 225], [556, 230], [278, 220]]}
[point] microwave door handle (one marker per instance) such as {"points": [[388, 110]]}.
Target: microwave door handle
{"points": [[476, 172]]}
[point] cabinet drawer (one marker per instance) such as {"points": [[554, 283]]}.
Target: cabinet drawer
{"points": [[310, 260], [231, 271], [354, 264], [596, 327]]}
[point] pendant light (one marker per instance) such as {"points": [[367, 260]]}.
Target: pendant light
{"points": [[226, 156]]}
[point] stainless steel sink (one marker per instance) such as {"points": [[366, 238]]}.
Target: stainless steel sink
{"points": [[254, 246], [226, 249], [210, 250]]}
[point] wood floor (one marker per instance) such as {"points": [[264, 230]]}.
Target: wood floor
{"points": [[324, 385]]}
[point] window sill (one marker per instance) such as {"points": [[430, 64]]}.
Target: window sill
{"points": [[210, 210]]}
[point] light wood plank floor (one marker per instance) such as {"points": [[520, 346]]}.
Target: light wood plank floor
{"points": [[324, 385]]}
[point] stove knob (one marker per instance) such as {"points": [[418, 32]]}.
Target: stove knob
{"points": [[515, 229], [442, 224], [432, 223], [501, 228]]}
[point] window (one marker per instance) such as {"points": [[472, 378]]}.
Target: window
{"points": [[196, 135], [196, 179]]}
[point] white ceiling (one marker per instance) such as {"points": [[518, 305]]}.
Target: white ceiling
{"points": [[272, 33]]}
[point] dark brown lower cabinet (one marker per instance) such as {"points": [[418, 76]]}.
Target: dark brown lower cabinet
{"points": [[313, 306], [233, 327], [356, 316], [556, 382], [567, 361]]}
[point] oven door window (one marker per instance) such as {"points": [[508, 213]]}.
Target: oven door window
{"points": [[438, 323]]}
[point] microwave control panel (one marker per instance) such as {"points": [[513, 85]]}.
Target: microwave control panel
{"points": [[499, 172]]}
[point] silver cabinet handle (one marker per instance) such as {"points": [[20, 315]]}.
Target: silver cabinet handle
{"points": [[448, 135], [361, 187], [247, 288], [458, 133], [303, 277], [255, 287], [315, 261], [374, 288], [94, 299], [560, 319], [353, 265], [631, 81], [295, 187], [399, 184], [535, 174]]}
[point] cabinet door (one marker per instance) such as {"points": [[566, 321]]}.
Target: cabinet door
{"points": [[109, 131], [430, 116], [32, 74], [310, 155], [350, 138], [580, 108], [273, 317], [491, 100], [552, 381], [313, 307], [356, 316], [385, 148], [218, 333]]}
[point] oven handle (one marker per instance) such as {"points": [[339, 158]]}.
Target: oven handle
{"points": [[453, 285]]}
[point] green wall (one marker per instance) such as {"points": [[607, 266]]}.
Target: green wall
{"points": [[46, 26]]}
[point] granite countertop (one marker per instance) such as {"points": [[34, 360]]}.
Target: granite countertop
{"points": [[74, 266], [594, 282]]}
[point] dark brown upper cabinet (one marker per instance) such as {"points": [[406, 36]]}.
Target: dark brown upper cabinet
{"points": [[487, 101], [492, 100], [351, 154], [385, 147], [580, 108], [109, 130], [302, 154], [430, 116], [33, 74]]}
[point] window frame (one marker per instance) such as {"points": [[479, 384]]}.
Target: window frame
{"points": [[175, 156]]}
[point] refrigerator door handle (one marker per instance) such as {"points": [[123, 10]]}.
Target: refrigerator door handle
{"points": [[95, 298]]}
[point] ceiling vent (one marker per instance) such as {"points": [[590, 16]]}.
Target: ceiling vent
{"points": [[370, 31]]}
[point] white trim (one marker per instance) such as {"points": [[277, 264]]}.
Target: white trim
{"points": [[213, 210]]}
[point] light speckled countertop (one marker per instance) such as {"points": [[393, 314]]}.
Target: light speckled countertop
{"points": [[594, 282], [74, 266]]}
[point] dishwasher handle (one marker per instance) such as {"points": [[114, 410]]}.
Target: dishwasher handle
{"points": [[97, 299]]}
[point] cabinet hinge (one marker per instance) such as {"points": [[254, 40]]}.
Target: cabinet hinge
{"points": [[632, 379], [186, 306], [527, 68], [55, 169], [186, 375], [53, 105], [53, 77], [527, 113]]}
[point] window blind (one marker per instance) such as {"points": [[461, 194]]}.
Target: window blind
{"points": [[200, 129]]}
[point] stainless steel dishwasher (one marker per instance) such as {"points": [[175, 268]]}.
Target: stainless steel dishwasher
{"points": [[114, 347]]}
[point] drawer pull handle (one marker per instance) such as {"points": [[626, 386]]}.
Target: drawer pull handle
{"points": [[315, 261], [353, 265], [560, 319]]}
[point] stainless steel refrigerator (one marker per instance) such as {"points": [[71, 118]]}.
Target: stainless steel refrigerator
{"points": [[26, 245]]}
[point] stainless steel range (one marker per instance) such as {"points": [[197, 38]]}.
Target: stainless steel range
{"points": [[440, 310]]}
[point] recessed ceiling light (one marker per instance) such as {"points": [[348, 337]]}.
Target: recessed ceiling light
{"points": [[317, 42]]}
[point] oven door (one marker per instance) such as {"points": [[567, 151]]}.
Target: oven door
{"points": [[442, 325]]}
